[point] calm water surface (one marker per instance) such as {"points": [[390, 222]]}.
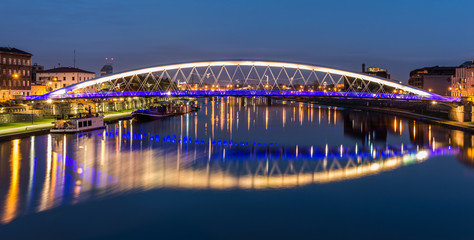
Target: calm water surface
{"points": [[241, 169]]}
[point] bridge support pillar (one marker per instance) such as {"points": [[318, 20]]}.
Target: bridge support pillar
{"points": [[269, 101], [462, 113]]}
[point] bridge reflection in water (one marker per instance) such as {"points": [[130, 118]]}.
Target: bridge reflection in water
{"points": [[67, 169]]}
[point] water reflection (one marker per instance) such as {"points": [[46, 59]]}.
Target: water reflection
{"points": [[12, 195], [231, 143]]}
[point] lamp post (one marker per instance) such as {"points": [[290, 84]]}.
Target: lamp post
{"points": [[32, 115], [15, 76]]}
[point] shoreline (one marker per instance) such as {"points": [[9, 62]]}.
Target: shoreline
{"points": [[463, 126], [38, 130]]}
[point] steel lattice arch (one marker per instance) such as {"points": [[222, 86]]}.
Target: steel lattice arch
{"points": [[241, 78]]}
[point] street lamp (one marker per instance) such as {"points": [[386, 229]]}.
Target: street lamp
{"points": [[15, 76]]}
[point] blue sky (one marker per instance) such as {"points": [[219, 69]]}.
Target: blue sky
{"points": [[397, 35]]}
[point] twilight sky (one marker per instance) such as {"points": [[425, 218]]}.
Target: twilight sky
{"points": [[398, 35]]}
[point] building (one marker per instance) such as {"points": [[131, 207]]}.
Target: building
{"points": [[107, 68], [38, 89], [463, 80], [35, 68], [375, 71], [60, 77], [433, 79], [15, 73]]}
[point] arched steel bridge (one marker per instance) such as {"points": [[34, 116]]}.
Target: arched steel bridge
{"points": [[241, 78]]}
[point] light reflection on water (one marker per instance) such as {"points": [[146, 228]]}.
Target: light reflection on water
{"points": [[230, 143]]}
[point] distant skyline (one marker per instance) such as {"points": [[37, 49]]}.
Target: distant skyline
{"points": [[397, 35]]}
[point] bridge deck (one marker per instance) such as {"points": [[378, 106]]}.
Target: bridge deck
{"points": [[247, 93]]}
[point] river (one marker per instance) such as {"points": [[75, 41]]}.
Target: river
{"points": [[239, 168]]}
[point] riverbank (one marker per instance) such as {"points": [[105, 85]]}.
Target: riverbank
{"points": [[23, 129], [463, 126]]}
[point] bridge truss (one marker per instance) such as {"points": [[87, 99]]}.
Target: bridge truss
{"points": [[241, 78]]}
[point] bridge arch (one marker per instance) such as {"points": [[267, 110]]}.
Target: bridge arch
{"points": [[241, 77]]}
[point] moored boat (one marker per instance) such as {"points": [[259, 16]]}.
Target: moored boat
{"points": [[159, 110], [165, 109], [78, 124]]}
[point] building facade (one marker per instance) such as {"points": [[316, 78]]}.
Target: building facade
{"points": [[376, 71], [15, 73], [463, 80], [35, 68], [38, 89], [107, 69], [433, 79], [57, 78]]}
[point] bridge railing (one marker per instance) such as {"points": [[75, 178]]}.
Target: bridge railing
{"points": [[280, 93]]}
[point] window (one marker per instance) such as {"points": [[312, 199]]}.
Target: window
{"points": [[73, 78], [80, 124], [89, 123], [64, 78], [64, 85]]}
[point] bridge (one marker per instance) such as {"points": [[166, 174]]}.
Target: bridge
{"points": [[242, 78]]}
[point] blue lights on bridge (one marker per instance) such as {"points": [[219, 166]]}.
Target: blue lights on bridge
{"points": [[275, 93]]}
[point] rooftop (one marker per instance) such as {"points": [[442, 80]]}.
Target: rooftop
{"points": [[65, 70], [435, 70], [14, 50], [467, 63], [107, 67]]}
